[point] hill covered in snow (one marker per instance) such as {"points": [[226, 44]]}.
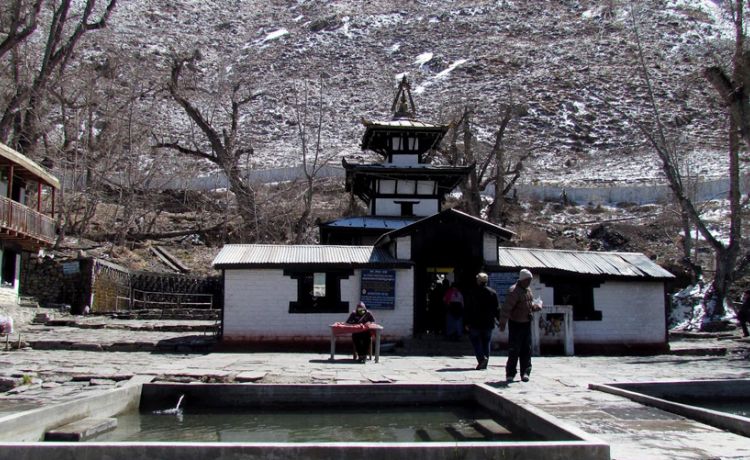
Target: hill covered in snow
{"points": [[570, 64]]}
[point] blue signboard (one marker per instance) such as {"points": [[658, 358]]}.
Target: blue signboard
{"points": [[501, 282], [70, 268], [379, 289]]}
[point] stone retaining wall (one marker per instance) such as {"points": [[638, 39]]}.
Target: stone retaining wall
{"points": [[102, 285], [46, 280]]}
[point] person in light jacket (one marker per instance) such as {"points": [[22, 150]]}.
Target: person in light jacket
{"points": [[516, 313]]}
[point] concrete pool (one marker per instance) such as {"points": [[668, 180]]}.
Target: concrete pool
{"points": [[719, 403], [524, 431]]}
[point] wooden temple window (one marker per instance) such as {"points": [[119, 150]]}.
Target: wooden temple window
{"points": [[396, 143], [426, 188], [413, 143], [387, 186], [407, 187]]}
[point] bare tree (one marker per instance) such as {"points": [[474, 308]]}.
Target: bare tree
{"points": [[493, 166], [19, 18], [24, 106], [224, 146], [309, 114], [734, 91]]}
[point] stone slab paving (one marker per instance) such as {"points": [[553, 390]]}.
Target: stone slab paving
{"points": [[559, 385]]}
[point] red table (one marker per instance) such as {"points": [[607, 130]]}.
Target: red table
{"points": [[339, 329]]}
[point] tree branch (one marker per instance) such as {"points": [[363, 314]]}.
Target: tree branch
{"points": [[20, 27]]}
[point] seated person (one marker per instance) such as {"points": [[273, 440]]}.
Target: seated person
{"points": [[361, 339]]}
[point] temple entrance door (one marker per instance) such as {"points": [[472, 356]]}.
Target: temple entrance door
{"points": [[450, 252], [431, 318]]}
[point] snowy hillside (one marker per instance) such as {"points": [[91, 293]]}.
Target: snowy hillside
{"points": [[570, 63]]}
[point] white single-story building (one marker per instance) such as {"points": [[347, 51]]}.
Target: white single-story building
{"points": [[618, 299], [290, 294]]}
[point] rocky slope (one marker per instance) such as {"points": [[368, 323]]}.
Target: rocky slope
{"points": [[572, 65]]}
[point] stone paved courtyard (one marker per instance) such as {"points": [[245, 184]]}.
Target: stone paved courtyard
{"points": [[75, 361]]}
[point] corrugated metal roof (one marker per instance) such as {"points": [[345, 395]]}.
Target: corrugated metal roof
{"points": [[370, 222], [626, 264], [403, 123], [234, 255], [420, 166]]}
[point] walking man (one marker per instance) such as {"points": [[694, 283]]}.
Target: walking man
{"points": [[480, 318], [516, 313], [743, 315]]}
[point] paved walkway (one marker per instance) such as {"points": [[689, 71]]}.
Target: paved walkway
{"points": [[80, 364]]}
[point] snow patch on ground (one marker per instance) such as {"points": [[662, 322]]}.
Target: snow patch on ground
{"points": [[689, 311], [276, 34], [423, 59], [440, 76]]}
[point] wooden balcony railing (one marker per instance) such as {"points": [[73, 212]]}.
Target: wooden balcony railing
{"points": [[22, 221]]}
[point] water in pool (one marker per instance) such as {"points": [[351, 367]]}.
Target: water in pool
{"points": [[364, 424]]}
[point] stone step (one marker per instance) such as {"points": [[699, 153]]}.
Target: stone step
{"points": [[463, 432], [434, 435], [81, 430], [491, 429]]}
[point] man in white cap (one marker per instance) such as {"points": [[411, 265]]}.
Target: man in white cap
{"points": [[516, 313]]}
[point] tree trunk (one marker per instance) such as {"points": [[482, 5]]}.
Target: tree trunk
{"points": [[245, 197], [472, 197]]}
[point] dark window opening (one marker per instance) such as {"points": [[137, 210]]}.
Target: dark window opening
{"points": [[9, 269], [407, 208], [318, 291], [576, 292]]}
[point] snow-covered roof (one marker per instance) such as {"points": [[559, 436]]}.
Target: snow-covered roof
{"points": [[284, 255], [621, 264]]}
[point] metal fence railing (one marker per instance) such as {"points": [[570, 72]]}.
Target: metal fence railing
{"points": [[144, 300]]}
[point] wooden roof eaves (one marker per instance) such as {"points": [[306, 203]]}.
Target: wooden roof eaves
{"points": [[486, 226], [28, 168]]}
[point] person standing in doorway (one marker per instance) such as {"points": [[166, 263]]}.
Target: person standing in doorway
{"points": [[454, 307], [743, 315], [481, 314], [517, 313]]}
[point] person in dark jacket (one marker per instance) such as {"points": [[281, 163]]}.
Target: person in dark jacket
{"points": [[481, 313], [517, 313], [743, 315], [361, 339]]}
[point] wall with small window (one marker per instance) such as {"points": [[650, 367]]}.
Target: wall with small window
{"points": [[405, 207], [403, 143], [406, 187], [268, 305], [606, 312], [632, 312]]}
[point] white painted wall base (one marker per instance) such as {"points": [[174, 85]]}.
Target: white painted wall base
{"points": [[256, 308]]}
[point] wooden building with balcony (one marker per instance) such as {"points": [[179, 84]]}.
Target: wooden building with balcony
{"points": [[27, 224]]}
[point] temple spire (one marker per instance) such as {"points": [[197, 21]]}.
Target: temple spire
{"points": [[403, 104]]}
